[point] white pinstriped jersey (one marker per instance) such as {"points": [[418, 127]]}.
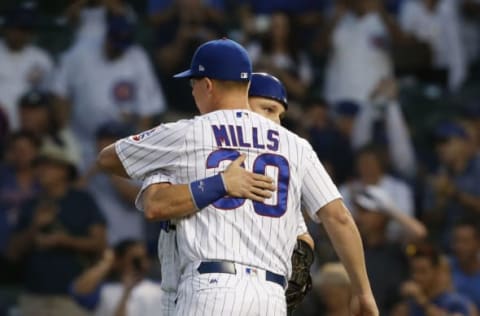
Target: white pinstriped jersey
{"points": [[167, 246], [262, 235]]}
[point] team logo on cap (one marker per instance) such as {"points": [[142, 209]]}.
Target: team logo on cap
{"points": [[201, 68], [243, 75]]}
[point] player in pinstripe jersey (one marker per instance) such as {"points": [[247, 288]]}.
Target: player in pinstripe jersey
{"points": [[267, 97], [240, 267]]}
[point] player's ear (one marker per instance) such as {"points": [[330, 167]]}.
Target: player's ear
{"points": [[209, 85]]}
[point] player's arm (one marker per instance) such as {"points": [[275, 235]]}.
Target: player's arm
{"points": [[322, 201], [346, 240], [109, 162], [162, 201]]}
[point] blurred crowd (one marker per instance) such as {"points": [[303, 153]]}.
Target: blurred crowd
{"points": [[386, 91]]}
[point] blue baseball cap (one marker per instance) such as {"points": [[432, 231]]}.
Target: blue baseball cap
{"points": [[448, 129], [347, 108], [221, 59], [267, 86], [120, 32]]}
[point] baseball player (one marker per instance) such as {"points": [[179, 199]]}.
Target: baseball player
{"points": [[267, 97], [235, 253]]}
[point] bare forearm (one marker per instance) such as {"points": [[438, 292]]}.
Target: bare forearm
{"points": [[91, 279], [414, 228], [345, 238], [169, 202], [308, 239]]}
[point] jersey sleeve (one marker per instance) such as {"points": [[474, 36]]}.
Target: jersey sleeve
{"points": [[149, 180], [318, 188], [159, 148], [302, 226]]}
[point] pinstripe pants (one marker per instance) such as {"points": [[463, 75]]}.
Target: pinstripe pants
{"points": [[238, 294]]}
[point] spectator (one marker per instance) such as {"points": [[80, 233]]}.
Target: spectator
{"points": [[332, 286], [427, 292], [465, 261], [330, 136], [38, 116], [379, 251], [371, 171], [90, 18], [58, 230], [17, 185], [278, 53], [110, 82], [452, 192], [357, 38], [115, 195], [23, 66], [437, 22], [180, 27], [382, 121], [117, 284]]}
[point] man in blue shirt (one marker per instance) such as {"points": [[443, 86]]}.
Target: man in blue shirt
{"points": [[59, 230], [453, 191], [427, 292], [465, 262]]}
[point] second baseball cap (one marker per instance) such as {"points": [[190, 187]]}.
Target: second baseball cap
{"points": [[268, 86], [221, 59]]}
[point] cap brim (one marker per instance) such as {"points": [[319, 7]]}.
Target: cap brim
{"points": [[184, 74]]}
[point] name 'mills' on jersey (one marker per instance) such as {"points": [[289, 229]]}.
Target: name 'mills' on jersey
{"points": [[262, 235]]}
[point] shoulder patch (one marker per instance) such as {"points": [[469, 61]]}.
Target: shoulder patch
{"points": [[142, 135]]}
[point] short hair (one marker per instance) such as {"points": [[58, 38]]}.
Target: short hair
{"points": [[121, 248], [231, 85], [332, 273]]}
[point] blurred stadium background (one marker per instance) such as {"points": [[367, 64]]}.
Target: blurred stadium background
{"points": [[386, 91]]}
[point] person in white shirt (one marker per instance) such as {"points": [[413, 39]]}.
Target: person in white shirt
{"points": [[23, 66], [117, 286], [110, 82], [437, 22], [90, 18], [359, 57], [372, 172], [384, 107]]}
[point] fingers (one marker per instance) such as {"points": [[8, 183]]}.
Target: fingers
{"points": [[261, 193], [239, 161], [264, 185], [261, 177], [258, 195]]}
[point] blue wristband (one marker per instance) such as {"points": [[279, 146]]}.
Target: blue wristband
{"points": [[206, 191]]}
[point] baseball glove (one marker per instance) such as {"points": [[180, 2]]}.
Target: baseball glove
{"points": [[301, 282]]}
